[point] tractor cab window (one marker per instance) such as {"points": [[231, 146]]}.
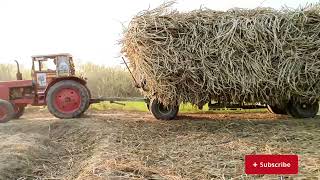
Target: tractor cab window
{"points": [[37, 65], [45, 65], [49, 65], [63, 66]]}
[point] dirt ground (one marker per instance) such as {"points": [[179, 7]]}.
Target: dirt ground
{"points": [[133, 145]]}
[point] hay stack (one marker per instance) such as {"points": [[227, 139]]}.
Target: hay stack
{"points": [[259, 55]]}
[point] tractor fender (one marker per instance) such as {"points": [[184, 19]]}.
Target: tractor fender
{"points": [[76, 79]]}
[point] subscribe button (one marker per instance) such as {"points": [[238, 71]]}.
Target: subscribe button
{"points": [[271, 164]]}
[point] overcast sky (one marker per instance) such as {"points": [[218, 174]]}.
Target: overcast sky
{"points": [[88, 29]]}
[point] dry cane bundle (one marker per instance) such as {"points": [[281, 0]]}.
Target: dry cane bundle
{"points": [[260, 55]]}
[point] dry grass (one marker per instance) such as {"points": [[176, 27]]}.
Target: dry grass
{"points": [[132, 145], [43, 148], [108, 81], [206, 147], [17, 153], [260, 55]]}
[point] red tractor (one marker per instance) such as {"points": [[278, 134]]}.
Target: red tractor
{"points": [[53, 84]]}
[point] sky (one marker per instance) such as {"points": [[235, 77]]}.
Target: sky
{"points": [[88, 29]]}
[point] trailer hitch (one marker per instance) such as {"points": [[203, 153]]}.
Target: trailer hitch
{"points": [[114, 102], [134, 79], [136, 84]]}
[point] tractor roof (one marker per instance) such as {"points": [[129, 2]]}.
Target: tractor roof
{"points": [[52, 55]]}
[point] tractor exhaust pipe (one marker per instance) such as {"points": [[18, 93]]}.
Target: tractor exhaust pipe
{"points": [[18, 75]]}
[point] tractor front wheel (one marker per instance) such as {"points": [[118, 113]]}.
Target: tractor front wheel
{"points": [[162, 112], [18, 111], [6, 111], [68, 99]]}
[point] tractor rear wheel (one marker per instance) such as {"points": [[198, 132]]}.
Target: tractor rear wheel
{"points": [[277, 110], [88, 105], [303, 110], [6, 111], [162, 112], [68, 99], [18, 111], [89, 96]]}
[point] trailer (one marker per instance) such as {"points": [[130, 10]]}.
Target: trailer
{"points": [[163, 112]]}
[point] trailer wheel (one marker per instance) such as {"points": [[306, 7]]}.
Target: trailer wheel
{"points": [[18, 111], [290, 110], [277, 110], [6, 111], [303, 110], [67, 99], [161, 112]]}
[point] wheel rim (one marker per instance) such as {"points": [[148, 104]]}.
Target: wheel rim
{"points": [[3, 113], [164, 110], [306, 107], [67, 100]]}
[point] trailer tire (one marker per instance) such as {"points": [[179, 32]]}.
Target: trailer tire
{"points": [[68, 99], [6, 111], [303, 110], [277, 110], [290, 110], [161, 112]]}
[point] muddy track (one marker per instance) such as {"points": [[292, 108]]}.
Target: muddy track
{"points": [[132, 145]]}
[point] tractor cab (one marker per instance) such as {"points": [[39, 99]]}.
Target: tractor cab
{"points": [[46, 68]]}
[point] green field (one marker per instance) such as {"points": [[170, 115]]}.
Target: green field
{"points": [[141, 106]]}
